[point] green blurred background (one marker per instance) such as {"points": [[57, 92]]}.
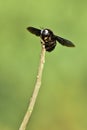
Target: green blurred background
{"points": [[62, 100]]}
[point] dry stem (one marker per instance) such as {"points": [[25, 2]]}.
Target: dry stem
{"points": [[35, 92]]}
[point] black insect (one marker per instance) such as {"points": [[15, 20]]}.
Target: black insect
{"points": [[49, 38]]}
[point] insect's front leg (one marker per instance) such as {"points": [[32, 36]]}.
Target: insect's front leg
{"points": [[42, 42]]}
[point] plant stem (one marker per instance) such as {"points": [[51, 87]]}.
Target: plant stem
{"points": [[35, 92]]}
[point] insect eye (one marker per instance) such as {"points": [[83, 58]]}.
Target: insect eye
{"points": [[45, 32]]}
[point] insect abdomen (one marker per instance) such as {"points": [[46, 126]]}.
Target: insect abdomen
{"points": [[49, 46]]}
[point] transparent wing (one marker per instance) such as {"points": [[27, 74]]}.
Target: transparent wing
{"points": [[35, 31], [64, 42]]}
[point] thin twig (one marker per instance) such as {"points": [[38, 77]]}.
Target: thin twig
{"points": [[35, 92]]}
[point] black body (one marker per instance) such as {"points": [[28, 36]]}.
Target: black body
{"points": [[49, 39]]}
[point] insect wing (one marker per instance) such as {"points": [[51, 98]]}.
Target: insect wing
{"points": [[35, 31], [64, 42]]}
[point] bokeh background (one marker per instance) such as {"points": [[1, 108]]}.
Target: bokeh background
{"points": [[62, 100]]}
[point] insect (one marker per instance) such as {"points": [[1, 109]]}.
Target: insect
{"points": [[49, 38]]}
